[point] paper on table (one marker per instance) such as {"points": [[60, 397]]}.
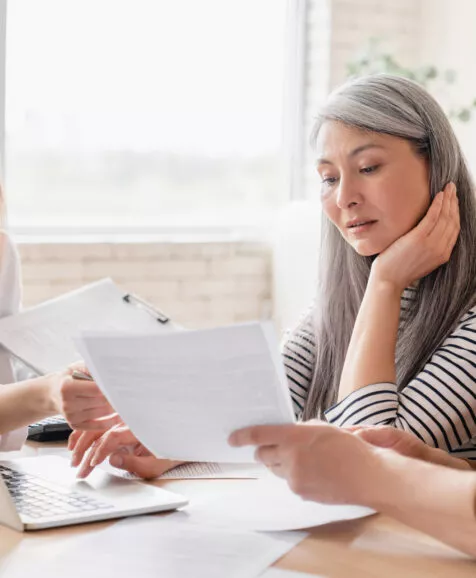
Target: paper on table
{"points": [[211, 470], [199, 471], [280, 573], [184, 393], [157, 546], [265, 505], [43, 335]]}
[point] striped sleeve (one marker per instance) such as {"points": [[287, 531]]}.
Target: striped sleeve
{"points": [[299, 354], [438, 405]]}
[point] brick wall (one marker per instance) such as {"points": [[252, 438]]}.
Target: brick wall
{"points": [[353, 22], [198, 284], [336, 31]]}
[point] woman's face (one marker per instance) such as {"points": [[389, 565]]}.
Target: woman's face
{"points": [[375, 187]]}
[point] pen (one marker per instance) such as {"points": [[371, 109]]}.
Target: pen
{"points": [[81, 375]]}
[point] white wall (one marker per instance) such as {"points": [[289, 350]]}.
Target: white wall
{"points": [[397, 22], [3, 24]]}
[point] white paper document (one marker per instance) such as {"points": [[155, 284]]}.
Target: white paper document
{"points": [[198, 471], [155, 546], [211, 470], [43, 335], [184, 393], [266, 505], [279, 573]]}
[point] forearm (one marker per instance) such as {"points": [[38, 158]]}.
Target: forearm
{"points": [[437, 500], [25, 402], [371, 354]]}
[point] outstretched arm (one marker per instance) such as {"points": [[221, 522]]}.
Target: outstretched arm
{"points": [[316, 458]]}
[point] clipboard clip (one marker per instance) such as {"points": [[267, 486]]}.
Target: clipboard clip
{"points": [[147, 307]]}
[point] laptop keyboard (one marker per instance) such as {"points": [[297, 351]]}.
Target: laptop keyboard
{"points": [[38, 498]]}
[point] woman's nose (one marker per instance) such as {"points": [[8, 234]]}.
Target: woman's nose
{"points": [[348, 194]]}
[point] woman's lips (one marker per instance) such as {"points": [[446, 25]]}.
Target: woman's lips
{"points": [[361, 227]]}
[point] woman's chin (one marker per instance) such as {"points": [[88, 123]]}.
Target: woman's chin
{"points": [[366, 248]]}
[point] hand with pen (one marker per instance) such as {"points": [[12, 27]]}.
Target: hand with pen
{"points": [[79, 399], [91, 448]]}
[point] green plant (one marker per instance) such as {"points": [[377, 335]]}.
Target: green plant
{"points": [[374, 59]]}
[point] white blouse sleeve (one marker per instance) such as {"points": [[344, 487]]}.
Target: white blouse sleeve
{"points": [[10, 298], [10, 276], [13, 440]]}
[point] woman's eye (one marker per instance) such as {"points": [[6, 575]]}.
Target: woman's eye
{"points": [[368, 170], [329, 180]]}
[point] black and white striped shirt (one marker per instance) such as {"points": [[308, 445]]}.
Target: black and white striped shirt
{"points": [[438, 405]]}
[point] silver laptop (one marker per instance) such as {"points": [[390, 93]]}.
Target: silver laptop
{"points": [[43, 492]]}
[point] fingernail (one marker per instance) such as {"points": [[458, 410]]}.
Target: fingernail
{"points": [[74, 461], [94, 462], [116, 460]]}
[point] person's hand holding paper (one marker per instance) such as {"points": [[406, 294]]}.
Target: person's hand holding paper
{"points": [[182, 394]]}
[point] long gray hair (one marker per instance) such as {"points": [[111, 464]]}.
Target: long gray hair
{"points": [[399, 107]]}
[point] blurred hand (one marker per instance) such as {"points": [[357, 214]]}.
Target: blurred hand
{"points": [[319, 461], [81, 402]]}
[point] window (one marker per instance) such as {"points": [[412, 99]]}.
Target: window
{"points": [[136, 114]]}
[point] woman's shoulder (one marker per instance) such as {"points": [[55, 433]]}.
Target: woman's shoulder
{"points": [[301, 338], [469, 318]]}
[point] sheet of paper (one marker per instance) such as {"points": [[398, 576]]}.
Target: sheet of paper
{"points": [[265, 505], [211, 470], [199, 471], [43, 335], [279, 573], [184, 393], [156, 546]]}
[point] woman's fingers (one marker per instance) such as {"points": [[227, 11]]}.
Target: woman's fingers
{"points": [[73, 439], [100, 424], [81, 445], [110, 442], [86, 468], [78, 404], [86, 415], [83, 404], [446, 217], [455, 225], [430, 220]]}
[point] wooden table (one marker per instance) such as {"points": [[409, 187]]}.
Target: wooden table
{"points": [[374, 547]]}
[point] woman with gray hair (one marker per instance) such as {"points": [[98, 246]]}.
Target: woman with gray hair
{"points": [[391, 339], [393, 333]]}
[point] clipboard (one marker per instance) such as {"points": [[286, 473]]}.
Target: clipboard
{"points": [[42, 336]]}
